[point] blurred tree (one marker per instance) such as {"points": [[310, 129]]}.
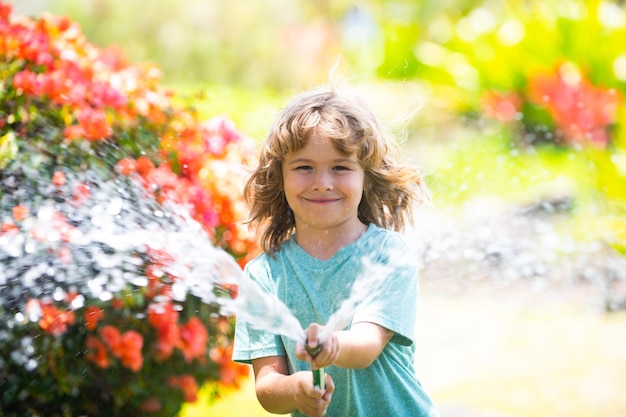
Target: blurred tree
{"points": [[271, 43]]}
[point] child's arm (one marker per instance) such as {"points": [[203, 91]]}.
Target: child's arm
{"points": [[281, 393], [355, 348]]}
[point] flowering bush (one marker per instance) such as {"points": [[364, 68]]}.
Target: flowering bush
{"points": [[535, 65], [113, 197], [560, 106]]}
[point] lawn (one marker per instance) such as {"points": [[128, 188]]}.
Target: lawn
{"points": [[520, 352]]}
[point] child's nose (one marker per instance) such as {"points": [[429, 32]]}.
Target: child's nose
{"points": [[322, 181]]}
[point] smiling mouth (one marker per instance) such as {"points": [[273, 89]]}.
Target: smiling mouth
{"points": [[321, 200]]}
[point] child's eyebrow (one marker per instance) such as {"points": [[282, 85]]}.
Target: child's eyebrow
{"points": [[300, 160], [346, 161]]}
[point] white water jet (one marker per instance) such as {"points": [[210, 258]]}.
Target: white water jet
{"points": [[118, 222]]}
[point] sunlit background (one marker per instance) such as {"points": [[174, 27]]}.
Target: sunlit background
{"points": [[515, 111]]}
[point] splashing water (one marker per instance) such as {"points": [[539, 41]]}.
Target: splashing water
{"points": [[367, 284], [266, 312], [120, 221]]}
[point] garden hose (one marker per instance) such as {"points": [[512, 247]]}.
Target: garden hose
{"points": [[319, 378]]}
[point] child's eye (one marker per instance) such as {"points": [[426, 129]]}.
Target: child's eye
{"points": [[304, 167], [341, 168]]}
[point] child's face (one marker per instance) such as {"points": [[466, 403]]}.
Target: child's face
{"points": [[322, 186]]}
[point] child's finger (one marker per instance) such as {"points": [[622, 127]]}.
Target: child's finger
{"points": [[330, 387], [302, 353], [313, 335]]}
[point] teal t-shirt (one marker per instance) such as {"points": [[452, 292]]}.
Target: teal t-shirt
{"points": [[314, 289]]}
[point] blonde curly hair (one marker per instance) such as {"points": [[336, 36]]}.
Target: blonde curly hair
{"points": [[391, 187]]}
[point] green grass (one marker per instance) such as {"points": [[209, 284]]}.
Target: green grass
{"points": [[252, 111], [524, 354], [489, 165]]}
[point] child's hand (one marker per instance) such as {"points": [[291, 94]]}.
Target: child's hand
{"points": [[326, 356], [313, 402]]}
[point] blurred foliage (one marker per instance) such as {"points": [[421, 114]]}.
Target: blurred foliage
{"points": [[278, 44], [513, 174], [501, 44], [477, 58], [251, 110], [271, 43]]}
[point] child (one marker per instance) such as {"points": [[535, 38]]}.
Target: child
{"points": [[327, 193]]}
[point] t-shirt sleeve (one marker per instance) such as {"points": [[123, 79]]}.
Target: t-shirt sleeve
{"points": [[393, 304], [251, 343]]}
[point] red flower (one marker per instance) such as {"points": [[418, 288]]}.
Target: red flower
{"points": [[53, 320], [164, 318], [501, 106], [73, 132], [144, 166], [126, 166], [101, 95], [581, 110], [94, 124], [117, 303], [5, 12], [81, 193], [129, 350], [187, 384], [193, 339], [126, 347], [97, 352], [8, 228], [26, 82], [58, 179], [92, 316], [20, 213], [230, 372], [111, 336]]}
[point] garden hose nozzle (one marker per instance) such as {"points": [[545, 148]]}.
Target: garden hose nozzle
{"points": [[319, 378]]}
